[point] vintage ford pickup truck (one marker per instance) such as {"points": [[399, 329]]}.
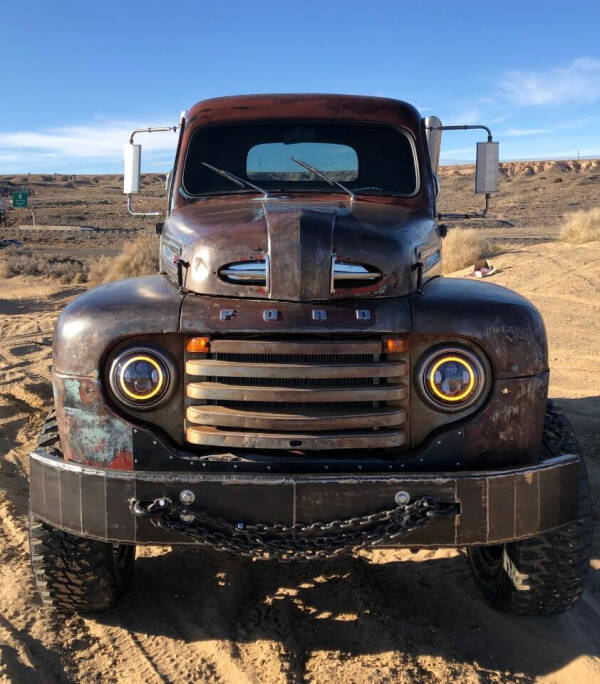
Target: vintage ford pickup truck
{"points": [[299, 381]]}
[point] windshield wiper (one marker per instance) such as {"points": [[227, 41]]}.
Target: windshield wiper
{"points": [[325, 177], [243, 183]]}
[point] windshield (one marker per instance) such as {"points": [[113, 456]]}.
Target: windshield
{"points": [[366, 159]]}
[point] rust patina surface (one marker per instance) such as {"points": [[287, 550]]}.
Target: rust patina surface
{"points": [[300, 235], [299, 232], [90, 431]]}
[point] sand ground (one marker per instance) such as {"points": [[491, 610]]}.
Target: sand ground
{"points": [[388, 616]]}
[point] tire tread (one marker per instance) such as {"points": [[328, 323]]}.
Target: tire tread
{"points": [[544, 575], [71, 573]]}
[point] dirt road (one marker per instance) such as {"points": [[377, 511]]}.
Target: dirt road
{"points": [[393, 616]]}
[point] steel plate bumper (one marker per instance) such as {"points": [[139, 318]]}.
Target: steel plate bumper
{"points": [[495, 506]]}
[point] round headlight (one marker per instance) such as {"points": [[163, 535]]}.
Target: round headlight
{"points": [[452, 378], [139, 377]]}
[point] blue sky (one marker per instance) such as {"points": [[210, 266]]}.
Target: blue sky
{"points": [[79, 74]]}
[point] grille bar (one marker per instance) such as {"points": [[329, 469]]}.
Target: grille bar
{"points": [[226, 369], [200, 434], [292, 419], [215, 390]]}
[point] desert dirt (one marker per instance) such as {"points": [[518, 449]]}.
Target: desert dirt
{"points": [[385, 616]]}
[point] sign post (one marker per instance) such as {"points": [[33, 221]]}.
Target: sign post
{"points": [[19, 201]]}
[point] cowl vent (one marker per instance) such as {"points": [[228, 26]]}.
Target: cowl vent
{"points": [[246, 272], [345, 274]]}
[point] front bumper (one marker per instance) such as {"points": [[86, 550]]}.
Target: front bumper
{"points": [[495, 506]]}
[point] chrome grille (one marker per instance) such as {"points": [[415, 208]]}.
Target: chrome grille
{"points": [[307, 395]]}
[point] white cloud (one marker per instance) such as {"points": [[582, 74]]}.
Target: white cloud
{"points": [[468, 116], [101, 141], [516, 132], [579, 82], [500, 118]]}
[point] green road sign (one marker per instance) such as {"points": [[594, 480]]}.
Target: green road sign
{"points": [[20, 200]]}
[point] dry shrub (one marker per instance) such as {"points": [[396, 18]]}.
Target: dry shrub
{"points": [[581, 226], [462, 247], [26, 262], [139, 257]]}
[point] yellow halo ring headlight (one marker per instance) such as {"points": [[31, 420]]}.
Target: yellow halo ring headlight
{"points": [[447, 397], [140, 377], [451, 378], [157, 387]]}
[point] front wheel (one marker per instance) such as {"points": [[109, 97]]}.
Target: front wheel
{"points": [[74, 574], [543, 575]]}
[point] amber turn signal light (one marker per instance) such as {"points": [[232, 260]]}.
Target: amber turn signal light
{"points": [[199, 345], [395, 345]]}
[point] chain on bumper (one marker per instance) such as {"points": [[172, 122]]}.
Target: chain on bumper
{"points": [[297, 542]]}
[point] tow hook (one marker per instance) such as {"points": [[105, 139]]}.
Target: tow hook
{"points": [[446, 510], [157, 507]]}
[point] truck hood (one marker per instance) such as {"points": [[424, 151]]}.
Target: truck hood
{"points": [[297, 242]]}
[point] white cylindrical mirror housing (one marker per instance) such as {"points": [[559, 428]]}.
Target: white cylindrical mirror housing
{"points": [[486, 168], [434, 140], [132, 158]]}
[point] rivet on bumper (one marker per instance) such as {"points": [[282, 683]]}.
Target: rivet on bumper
{"points": [[187, 497], [401, 498]]}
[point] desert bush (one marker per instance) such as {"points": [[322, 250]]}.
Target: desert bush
{"points": [[18, 261], [581, 226], [462, 247], [139, 257]]}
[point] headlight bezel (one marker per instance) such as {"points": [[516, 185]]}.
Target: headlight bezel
{"points": [[155, 356], [478, 369]]}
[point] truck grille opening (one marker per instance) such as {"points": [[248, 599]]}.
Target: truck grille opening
{"points": [[302, 395]]}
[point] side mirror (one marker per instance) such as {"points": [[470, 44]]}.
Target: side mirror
{"points": [[486, 168], [433, 133], [132, 159]]}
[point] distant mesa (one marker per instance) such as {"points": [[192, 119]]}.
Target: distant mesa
{"points": [[527, 168]]}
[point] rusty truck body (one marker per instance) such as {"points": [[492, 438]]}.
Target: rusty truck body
{"points": [[299, 381]]}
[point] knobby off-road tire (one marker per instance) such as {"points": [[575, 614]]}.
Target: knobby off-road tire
{"points": [[71, 573], [543, 575]]}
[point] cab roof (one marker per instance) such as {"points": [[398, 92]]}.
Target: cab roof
{"points": [[304, 106]]}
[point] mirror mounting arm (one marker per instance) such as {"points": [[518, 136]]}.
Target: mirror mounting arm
{"points": [[467, 127], [140, 213], [150, 129], [482, 214]]}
